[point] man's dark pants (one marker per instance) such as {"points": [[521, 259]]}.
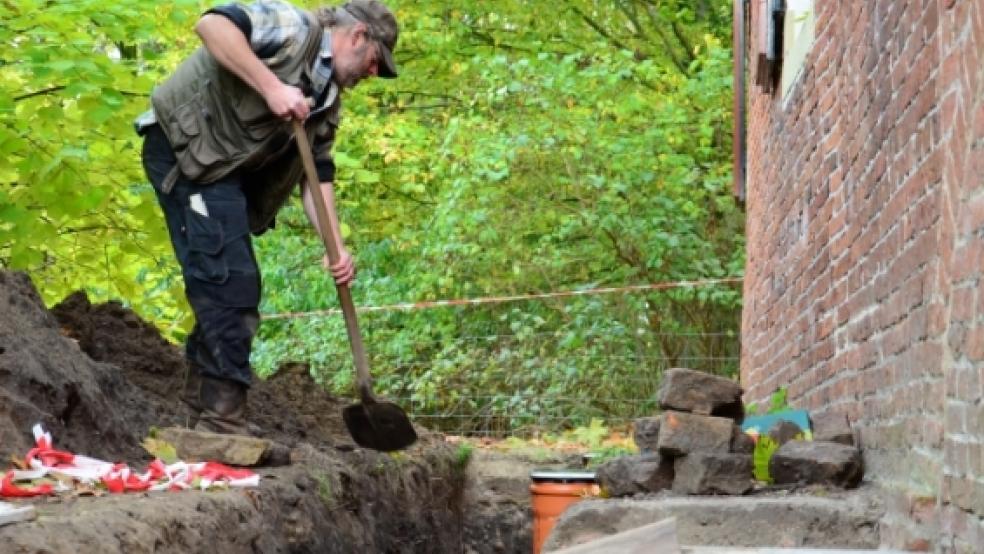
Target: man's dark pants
{"points": [[222, 280]]}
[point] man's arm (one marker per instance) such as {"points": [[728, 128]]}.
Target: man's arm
{"points": [[232, 50], [344, 270]]}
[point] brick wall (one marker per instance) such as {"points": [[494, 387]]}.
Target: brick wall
{"points": [[866, 249], [961, 105]]}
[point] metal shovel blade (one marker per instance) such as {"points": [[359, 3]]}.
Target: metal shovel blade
{"points": [[373, 424], [382, 426]]}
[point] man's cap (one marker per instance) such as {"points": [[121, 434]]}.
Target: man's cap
{"points": [[382, 27]]}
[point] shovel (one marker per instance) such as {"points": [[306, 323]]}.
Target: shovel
{"points": [[373, 423]]}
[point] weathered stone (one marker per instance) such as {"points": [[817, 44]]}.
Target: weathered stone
{"points": [[681, 433], [741, 442], [804, 521], [713, 473], [687, 390], [196, 446], [832, 427], [655, 537], [629, 475], [646, 433], [13, 513], [815, 462], [784, 431]]}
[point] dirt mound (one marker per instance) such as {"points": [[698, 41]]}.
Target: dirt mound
{"points": [[115, 335], [91, 407], [104, 403], [99, 377], [289, 407]]}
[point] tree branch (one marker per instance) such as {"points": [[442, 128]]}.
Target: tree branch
{"points": [[90, 228], [632, 15], [400, 109], [600, 30], [680, 64], [408, 196], [41, 92], [687, 47]]}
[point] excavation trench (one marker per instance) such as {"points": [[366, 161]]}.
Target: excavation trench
{"points": [[98, 378]]}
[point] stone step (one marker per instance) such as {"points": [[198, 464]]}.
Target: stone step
{"points": [[838, 521], [656, 537], [736, 550]]}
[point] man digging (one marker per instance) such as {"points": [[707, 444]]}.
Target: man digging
{"points": [[219, 151]]}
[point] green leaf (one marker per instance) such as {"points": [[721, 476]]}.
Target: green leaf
{"points": [[765, 447], [161, 449]]}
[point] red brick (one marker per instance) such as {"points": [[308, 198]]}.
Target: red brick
{"points": [[865, 204]]}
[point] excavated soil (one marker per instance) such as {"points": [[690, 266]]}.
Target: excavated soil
{"points": [[98, 377], [289, 407]]}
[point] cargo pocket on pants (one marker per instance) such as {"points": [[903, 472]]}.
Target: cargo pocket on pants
{"points": [[205, 241]]}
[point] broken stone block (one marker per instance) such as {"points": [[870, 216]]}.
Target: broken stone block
{"points": [[697, 392], [816, 462], [784, 431], [713, 473], [646, 433], [741, 442], [681, 433], [629, 475], [237, 450], [832, 427]]}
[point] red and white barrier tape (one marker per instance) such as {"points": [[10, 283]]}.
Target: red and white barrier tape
{"points": [[68, 469], [511, 298]]}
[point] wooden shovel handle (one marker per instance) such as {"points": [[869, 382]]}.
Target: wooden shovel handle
{"points": [[363, 377]]}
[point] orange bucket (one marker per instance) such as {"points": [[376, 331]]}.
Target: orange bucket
{"points": [[553, 492]]}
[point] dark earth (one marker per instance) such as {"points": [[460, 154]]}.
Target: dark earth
{"points": [[98, 378]]}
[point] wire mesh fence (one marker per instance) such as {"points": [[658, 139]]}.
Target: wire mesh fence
{"points": [[517, 370], [527, 397]]}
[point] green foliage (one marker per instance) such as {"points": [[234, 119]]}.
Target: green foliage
{"points": [[765, 447], [75, 211], [603, 454], [521, 154], [516, 153], [158, 447], [462, 455], [777, 401], [325, 491], [592, 435]]}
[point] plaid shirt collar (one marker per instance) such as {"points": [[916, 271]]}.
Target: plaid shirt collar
{"points": [[325, 90], [321, 71]]}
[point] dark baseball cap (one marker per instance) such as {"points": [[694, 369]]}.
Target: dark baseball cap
{"points": [[382, 27]]}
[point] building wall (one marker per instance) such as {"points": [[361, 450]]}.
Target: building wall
{"points": [[865, 252], [961, 108]]}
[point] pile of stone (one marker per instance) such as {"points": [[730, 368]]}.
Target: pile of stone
{"points": [[833, 457], [696, 445]]}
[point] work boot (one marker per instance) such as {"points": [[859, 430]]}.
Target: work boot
{"points": [[223, 404], [190, 395]]}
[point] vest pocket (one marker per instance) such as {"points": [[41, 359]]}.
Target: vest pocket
{"points": [[193, 138], [205, 241], [185, 127]]}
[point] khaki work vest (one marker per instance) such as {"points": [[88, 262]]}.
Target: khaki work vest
{"points": [[218, 124]]}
